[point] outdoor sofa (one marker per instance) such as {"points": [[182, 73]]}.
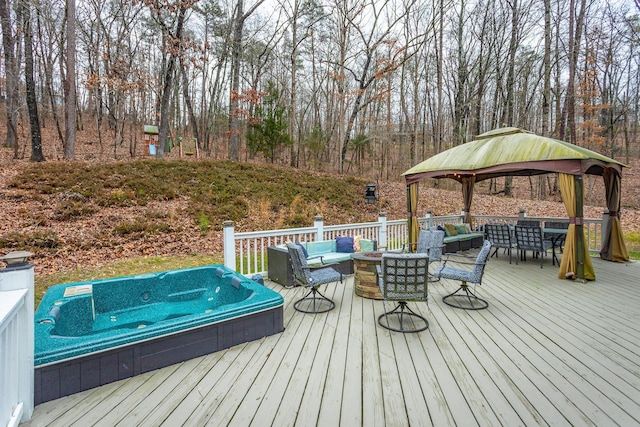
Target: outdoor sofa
{"points": [[337, 251]]}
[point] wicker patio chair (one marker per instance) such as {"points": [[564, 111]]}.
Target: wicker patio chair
{"points": [[531, 239], [403, 278], [431, 242], [500, 237], [464, 297], [312, 277]]}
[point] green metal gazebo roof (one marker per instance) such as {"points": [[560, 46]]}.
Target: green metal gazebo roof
{"points": [[511, 151]]}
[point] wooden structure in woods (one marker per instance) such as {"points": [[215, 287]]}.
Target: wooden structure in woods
{"points": [[189, 147], [150, 140]]}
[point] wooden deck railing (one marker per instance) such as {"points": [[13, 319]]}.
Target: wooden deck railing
{"points": [[246, 252], [16, 342]]}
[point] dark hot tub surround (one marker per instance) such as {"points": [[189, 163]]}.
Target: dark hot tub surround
{"points": [[92, 333]]}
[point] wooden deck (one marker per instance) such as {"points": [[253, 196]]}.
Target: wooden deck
{"points": [[545, 352]]}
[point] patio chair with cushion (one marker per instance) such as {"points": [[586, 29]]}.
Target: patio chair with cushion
{"points": [[403, 278], [311, 277], [431, 242], [500, 237], [531, 239], [471, 273]]}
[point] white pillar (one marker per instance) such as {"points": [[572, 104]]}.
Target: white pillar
{"points": [[382, 232], [19, 275], [429, 217], [318, 224], [229, 243]]}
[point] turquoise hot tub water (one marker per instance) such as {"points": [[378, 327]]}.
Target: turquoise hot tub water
{"points": [[76, 320]]}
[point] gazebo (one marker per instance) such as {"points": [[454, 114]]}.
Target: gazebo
{"points": [[511, 151]]}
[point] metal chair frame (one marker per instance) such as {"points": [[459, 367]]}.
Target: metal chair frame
{"points": [[312, 277], [403, 278], [530, 238], [431, 242], [500, 237], [464, 297]]}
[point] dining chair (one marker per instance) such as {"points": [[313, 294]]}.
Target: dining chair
{"points": [[531, 239], [500, 237]]}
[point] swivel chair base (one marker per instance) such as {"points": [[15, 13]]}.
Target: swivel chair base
{"points": [[406, 318], [465, 299], [314, 302]]}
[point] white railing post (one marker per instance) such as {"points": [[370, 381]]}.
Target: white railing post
{"points": [[522, 214], [382, 231], [429, 217], [318, 224], [229, 243], [19, 275]]}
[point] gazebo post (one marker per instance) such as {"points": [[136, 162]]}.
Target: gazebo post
{"points": [[579, 236]]}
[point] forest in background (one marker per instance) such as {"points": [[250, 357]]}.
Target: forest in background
{"points": [[367, 88]]}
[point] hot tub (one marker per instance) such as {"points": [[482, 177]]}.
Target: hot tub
{"points": [[92, 333]]}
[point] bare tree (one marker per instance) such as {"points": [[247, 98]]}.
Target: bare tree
{"points": [[240, 16], [11, 74], [32, 102], [367, 68], [70, 83], [576, 21]]}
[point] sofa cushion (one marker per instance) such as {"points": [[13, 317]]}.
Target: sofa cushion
{"points": [[462, 237], [450, 230], [321, 247], [460, 228], [367, 245], [344, 244], [328, 258]]}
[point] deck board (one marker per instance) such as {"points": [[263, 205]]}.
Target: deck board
{"points": [[545, 352]]}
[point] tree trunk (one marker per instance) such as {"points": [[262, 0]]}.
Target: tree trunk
{"points": [[546, 92], [32, 103], [459, 131], [508, 117], [575, 34], [11, 75], [70, 83], [189, 104], [175, 50], [437, 143], [236, 50]]}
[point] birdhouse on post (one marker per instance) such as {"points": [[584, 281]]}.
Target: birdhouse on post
{"points": [[150, 140]]}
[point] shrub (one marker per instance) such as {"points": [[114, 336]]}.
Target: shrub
{"points": [[140, 228], [71, 209], [30, 241]]}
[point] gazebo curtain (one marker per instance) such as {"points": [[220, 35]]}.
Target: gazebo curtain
{"points": [[412, 225], [569, 261], [613, 247], [467, 196]]}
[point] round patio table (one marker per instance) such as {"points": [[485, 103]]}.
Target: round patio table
{"points": [[365, 276]]}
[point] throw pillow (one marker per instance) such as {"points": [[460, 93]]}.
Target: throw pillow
{"points": [[450, 230], [356, 244], [304, 250], [468, 227], [460, 228], [344, 244]]}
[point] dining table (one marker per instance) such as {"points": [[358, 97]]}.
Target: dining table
{"points": [[556, 236]]}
